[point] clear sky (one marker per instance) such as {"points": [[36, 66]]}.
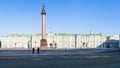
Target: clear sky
{"points": [[63, 16]]}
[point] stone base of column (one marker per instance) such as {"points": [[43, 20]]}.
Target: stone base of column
{"points": [[43, 44]]}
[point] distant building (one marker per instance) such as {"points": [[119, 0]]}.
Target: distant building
{"points": [[15, 41], [61, 41], [91, 41], [114, 41]]}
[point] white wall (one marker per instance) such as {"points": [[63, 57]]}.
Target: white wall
{"points": [[62, 40]]}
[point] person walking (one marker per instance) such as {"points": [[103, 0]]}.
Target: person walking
{"points": [[38, 50], [33, 50]]}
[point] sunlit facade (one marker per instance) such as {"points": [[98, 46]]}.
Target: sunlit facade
{"points": [[15, 41], [61, 41]]}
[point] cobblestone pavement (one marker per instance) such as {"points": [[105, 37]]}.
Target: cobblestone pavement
{"points": [[108, 59]]}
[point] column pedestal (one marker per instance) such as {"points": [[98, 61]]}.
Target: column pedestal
{"points": [[43, 44]]}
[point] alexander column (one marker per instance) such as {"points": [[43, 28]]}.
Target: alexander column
{"points": [[43, 40]]}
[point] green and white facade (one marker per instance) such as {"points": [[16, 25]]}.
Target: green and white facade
{"points": [[61, 41]]}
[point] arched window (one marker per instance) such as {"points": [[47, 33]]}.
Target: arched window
{"points": [[55, 45], [51, 45]]}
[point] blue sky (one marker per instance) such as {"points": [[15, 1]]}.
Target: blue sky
{"points": [[63, 16]]}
